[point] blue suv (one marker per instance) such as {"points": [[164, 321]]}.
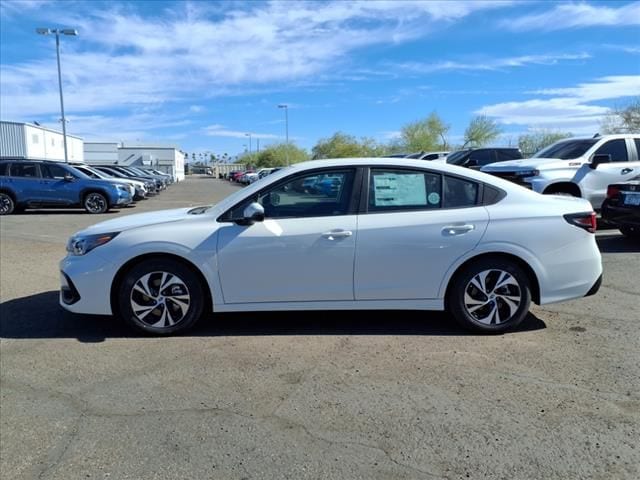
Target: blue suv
{"points": [[36, 184]]}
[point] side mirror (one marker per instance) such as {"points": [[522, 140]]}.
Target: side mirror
{"points": [[598, 159], [68, 177], [254, 212]]}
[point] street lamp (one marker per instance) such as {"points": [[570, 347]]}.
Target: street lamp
{"points": [[249, 135], [57, 32], [286, 126]]}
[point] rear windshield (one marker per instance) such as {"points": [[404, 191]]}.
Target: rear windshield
{"points": [[567, 149]]}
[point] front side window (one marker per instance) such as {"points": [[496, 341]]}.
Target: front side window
{"points": [[482, 157], [317, 194], [24, 170], [53, 171], [616, 148], [392, 190]]}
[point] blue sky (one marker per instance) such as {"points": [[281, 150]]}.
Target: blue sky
{"points": [[202, 74]]}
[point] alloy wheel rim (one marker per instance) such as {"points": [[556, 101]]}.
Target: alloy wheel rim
{"points": [[95, 202], [160, 299], [5, 203], [492, 297]]}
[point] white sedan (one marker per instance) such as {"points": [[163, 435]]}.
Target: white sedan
{"points": [[393, 234]]}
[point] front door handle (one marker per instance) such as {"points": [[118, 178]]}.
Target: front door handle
{"points": [[458, 229], [624, 171], [337, 234]]}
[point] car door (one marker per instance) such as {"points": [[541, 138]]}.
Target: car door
{"points": [[302, 251], [24, 179], [61, 187], [624, 166], [415, 225]]}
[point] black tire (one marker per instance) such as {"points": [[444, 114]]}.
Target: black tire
{"points": [[95, 203], [167, 310], [497, 310], [7, 204], [631, 232]]}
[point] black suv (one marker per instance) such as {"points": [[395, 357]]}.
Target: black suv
{"points": [[476, 158]]}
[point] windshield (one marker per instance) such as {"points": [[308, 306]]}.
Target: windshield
{"points": [[457, 158], [566, 149]]}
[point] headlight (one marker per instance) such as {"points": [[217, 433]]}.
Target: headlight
{"points": [[528, 173], [83, 244], [124, 188]]}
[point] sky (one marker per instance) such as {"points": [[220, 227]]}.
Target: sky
{"points": [[203, 75]]}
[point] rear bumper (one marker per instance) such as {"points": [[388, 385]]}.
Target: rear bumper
{"points": [[617, 215]]}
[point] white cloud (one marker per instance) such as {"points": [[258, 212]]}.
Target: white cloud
{"points": [[121, 59], [569, 108], [490, 64], [221, 131], [575, 15], [196, 108]]}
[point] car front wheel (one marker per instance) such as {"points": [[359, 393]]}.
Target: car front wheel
{"points": [[95, 202], [490, 295], [7, 205], [161, 297]]}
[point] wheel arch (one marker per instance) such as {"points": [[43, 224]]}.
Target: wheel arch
{"points": [[7, 191], [531, 274], [563, 186], [87, 190], [117, 279]]}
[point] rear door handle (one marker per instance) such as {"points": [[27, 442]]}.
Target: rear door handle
{"points": [[624, 171], [337, 234], [458, 229]]}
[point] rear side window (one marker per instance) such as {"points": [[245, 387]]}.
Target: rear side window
{"points": [[637, 140], [459, 192], [391, 190], [616, 148], [24, 170], [504, 155]]}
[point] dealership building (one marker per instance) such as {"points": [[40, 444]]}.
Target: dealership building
{"points": [[26, 141]]}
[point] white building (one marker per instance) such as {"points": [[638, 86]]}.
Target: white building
{"points": [[168, 159], [33, 142]]}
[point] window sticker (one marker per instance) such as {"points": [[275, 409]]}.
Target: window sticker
{"points": [[434, 198], [393, 189]]}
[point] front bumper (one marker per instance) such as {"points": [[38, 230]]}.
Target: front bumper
{"points": [[86, 284]]}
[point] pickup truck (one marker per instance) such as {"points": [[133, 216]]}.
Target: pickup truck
{"points": [[579, 167]]}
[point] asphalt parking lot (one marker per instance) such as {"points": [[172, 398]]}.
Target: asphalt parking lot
{"points": [[398, 395]]}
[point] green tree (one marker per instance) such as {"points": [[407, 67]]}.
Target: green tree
{"points": [[423, 135], [341, 145], [480, 132], [623, 119], [279, 154], [532, 142]]}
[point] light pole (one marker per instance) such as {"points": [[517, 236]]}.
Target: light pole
{"points": [[286, 127], [57, 32], [249, 135]]}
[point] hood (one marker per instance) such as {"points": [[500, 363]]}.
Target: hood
{"points": [[129, 222], [524, 164]]}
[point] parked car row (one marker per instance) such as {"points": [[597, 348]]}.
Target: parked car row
{"points": [[45, 184], [249, 176]]}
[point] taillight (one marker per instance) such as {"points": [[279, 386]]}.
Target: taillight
{"points": [[612, 191], [586, 220]]}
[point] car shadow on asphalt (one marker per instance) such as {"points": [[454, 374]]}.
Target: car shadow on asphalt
{"points": [[616, 243], [40, 316]]}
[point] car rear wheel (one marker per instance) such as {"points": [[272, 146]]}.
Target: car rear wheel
{"points": [[95, 202], [161, 297], [490, 295], [7, 205]]}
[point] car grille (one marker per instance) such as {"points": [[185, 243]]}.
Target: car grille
{"points": [[512, 177]]}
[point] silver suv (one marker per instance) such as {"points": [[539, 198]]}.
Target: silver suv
{"points": [[581, 167]]}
